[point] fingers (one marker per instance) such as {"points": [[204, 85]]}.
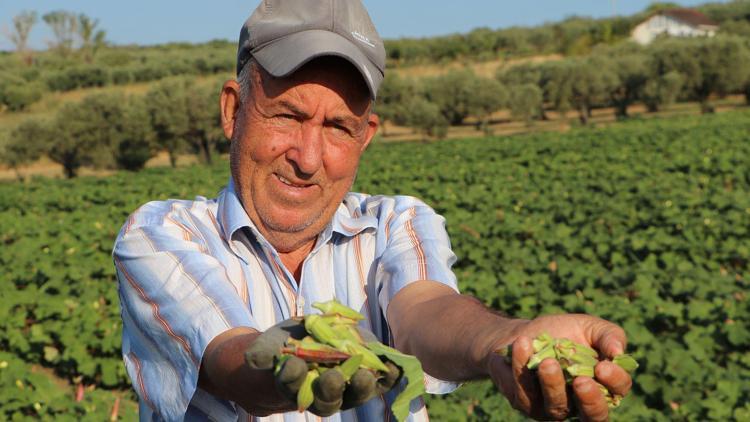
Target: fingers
{"points": [[390, 379], [553, 386], [608, 338], [262, 352], [503, 376], [612, 376], [527, 391], [590, 400], [328, 390], [290, 377], [361, 388]]}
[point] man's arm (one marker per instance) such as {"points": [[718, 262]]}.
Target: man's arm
{"points": [[455, 337], [450, 333], [225, 374]]}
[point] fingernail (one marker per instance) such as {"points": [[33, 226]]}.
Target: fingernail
{"points": [[617, 348], [548, 369], [585, 388]]}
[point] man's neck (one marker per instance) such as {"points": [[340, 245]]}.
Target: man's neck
{"points": [[293, 260]]}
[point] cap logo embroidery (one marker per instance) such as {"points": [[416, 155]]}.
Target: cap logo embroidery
{"points": [[361, 38]]}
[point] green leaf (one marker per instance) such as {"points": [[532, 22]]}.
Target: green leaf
{"points": [[51, 353], [412, 371]]}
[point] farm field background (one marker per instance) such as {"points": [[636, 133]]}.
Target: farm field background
{"points": [[646, 223]]}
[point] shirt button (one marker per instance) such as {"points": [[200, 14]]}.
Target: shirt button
{"points": [[300, 305]]}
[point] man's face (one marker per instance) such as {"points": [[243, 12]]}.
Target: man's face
{"points": [[296, 145]]}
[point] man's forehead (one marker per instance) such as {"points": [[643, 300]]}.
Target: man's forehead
{"points": [[331, 72]]}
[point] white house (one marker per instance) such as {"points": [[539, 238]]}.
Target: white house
{"points": [[674, 22]]}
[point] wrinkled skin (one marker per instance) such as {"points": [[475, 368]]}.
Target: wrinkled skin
{"points": [[295, 148]]}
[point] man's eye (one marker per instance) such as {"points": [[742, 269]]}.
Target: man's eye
{"points": [[340, 130]]}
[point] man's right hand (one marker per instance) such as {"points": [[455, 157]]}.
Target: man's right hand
{"points": [[331, 391]]}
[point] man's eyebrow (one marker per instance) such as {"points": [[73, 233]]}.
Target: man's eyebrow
{"points": [[294, 109], [346, 121]]}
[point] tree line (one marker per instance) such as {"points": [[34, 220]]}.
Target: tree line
{"points": [[79, 57], [575, 35], [178, 115], [115, 131], [693, 69]]}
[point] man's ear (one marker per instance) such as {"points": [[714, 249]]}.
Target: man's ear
{"points": [[373, 122], [230, 106]]}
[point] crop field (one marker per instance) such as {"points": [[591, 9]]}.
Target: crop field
{"points": [[646, 223]]}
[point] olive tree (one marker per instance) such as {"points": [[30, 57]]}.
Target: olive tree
{"points": [[453, 93], [394, 93], [204, 121], [425, 117], [103, 131], [526, 73], [168, 115], [708, 66], [134, 144], [662, 90], [592, 81], [489, 97], [184, 117], [557, 84], [525, 101], [25, 143], [630, 66]]}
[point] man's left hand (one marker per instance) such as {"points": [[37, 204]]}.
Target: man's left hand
{"points": [[543, 393]]}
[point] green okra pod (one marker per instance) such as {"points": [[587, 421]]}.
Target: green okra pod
{"points": [[305, 396], [335, 307], [350, 366], [575, 360], [538, 357]]}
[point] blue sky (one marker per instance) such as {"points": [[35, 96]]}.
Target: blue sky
{"points": [[159, 21]]}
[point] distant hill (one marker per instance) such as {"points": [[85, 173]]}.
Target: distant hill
{"points": [[573, 36]]}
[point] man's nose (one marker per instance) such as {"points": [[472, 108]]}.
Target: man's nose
{"points": [[307, 153]]}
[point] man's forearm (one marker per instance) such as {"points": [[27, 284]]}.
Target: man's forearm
{"points": [[451, 334], [225, 374]]}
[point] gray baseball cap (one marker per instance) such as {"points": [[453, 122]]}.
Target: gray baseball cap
{"points": [[283, 35]]}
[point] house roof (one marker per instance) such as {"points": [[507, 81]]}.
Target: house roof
{"points": [[689, 16]]}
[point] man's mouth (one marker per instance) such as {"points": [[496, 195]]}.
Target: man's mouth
{"points": [[288, 182]]}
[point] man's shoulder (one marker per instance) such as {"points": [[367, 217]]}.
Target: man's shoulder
{"points": [[380, 205], [171, 212]]}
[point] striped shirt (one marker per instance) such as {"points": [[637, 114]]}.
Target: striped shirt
{"points": [[190, 270]]}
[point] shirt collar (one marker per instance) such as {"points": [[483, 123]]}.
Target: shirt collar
{"points": [[348, 219], [232, 215]]}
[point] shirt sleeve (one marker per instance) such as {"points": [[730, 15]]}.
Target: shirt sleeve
{"points": [[175, 298], [417, 248]]}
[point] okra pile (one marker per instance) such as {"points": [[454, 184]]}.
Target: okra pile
{"points": [[333, 341], [575, 360]]}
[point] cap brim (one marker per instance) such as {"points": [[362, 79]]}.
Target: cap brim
{"points": [[285, 55]]}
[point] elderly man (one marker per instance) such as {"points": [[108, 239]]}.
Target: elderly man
{"points": [[201, 281]]}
